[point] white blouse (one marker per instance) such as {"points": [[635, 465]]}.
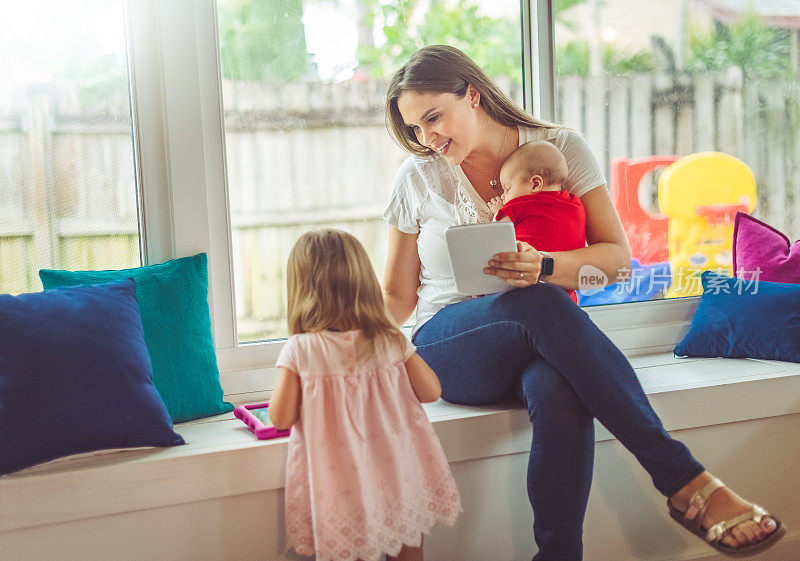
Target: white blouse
{"points": [[429, 195]]}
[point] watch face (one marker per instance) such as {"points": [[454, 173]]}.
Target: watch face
{"points": [[547, 266]]}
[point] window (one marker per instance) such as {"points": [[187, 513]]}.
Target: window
{"points": [[188, 133], [68, 196], [651, 82], [303, 86]]}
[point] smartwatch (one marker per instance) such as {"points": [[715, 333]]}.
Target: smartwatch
{"points": [[547, 266]]}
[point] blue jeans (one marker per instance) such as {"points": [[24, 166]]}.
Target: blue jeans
{"points": [[536, 343]]}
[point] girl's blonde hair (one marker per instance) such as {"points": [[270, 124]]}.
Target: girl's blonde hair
{"points": [[332, 286], [445, 69]]}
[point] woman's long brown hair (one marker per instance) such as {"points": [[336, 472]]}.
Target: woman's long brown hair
{"points": [[445, 69]]}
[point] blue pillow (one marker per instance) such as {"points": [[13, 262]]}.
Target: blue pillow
{"points": [[738, 318], [75, 375], [173, 302]]}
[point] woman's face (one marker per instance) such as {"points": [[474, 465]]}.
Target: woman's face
{"points": [[444, 122]]}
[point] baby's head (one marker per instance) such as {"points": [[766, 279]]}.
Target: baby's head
{"points": [[535, 166]]}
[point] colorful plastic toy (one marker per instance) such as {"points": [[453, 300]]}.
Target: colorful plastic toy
{"points": [[256, 417], [646, 231], [700, 194]]}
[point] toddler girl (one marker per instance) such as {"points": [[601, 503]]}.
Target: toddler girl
{"points": [[365, 472]]}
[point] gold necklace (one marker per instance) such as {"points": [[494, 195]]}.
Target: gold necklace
{"points": [[492, 180]]}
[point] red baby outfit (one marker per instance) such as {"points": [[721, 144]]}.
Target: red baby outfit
{"points": [[549, 221]]}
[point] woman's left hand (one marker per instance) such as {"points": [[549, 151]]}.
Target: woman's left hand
{"points": [[520, 268]]}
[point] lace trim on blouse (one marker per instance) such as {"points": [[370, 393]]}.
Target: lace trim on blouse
{"points": [[466, 210]]}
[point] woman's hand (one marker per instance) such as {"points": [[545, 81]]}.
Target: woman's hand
{"points": [[520, 268]]}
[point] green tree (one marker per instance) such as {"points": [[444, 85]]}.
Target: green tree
{"points": [[492, 42], [560, 6], [747, 43], [561, 9], [572, 59], [262, 40], [624, 61]]}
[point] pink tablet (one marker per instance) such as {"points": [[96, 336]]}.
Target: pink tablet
{"points": [[256, 417]]}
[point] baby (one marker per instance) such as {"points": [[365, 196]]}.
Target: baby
{"points": [[544, 213]]}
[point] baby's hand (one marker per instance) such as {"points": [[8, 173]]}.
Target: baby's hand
{"points": [[495, 204]]}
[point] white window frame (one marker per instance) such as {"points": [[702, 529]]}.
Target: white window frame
{"points": [[181, 169]]}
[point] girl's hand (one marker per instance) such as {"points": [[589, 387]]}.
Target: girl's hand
{"points": [[520, 268]]}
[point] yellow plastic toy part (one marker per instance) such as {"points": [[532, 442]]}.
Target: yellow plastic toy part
{"points": [[700, 194]]}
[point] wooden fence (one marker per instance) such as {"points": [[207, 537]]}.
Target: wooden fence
{"points": [[67, 195], [756, 120], [318, 154]]}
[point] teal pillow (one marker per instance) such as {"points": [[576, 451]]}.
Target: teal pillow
{"points": [[173, 303]]}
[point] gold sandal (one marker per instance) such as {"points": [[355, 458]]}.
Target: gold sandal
{"points": [[695, 513]]}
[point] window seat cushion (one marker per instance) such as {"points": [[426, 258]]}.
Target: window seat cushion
{"points": [[223, 458], [744, 318]]}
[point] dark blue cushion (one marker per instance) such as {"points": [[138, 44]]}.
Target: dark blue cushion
{"points": [[75, 375], [173, 303], [738, 318]]}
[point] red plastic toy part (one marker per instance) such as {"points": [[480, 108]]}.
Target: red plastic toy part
{"points": [[646, 231], [256, 419]]}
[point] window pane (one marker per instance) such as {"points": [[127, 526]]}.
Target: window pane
{"points": [[67, 185], [303, 92], [652, 82]]}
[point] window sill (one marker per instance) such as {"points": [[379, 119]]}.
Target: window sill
{"points": [[247, 371], [222, 458]]}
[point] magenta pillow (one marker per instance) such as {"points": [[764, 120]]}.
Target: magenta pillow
{"points": [[757, 245]]}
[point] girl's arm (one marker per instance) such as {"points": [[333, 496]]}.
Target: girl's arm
{"points": [[608, 249], [284, 405], [423, 380], [401, 275]]}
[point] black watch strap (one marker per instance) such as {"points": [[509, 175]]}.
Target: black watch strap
{"points": [[547, 266]]}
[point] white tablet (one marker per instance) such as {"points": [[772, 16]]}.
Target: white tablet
{"points": [[470, 247]]}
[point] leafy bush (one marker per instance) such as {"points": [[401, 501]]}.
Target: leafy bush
{"points": [[572, 59], [262, 40], [493, 43], [747, 43]]}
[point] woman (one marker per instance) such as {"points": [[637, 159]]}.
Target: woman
{"points": [[459, 127]]}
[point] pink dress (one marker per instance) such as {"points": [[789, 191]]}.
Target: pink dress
{"points": [[365, 472]]}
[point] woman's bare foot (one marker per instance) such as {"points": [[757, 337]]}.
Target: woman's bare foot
{"points": [[725, 505]]}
